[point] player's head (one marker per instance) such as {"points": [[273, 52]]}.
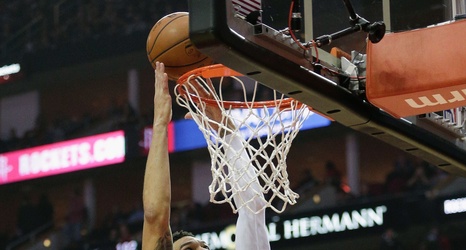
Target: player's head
{"points": [[186, 240]]}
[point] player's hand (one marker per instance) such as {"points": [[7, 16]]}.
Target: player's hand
{"points": [[162, 98]]}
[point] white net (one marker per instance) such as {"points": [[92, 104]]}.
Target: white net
{"points": [[248, 139]]}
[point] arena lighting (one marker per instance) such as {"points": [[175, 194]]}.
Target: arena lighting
{"points": [[62, 157], [10, 73], [10, 69], [47, 243], [127, 245], [454, 206]]}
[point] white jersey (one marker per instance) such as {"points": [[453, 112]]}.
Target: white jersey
{"points": [[251, 231]]}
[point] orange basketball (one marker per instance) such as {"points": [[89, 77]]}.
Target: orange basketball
{"points": [[168, 42]]}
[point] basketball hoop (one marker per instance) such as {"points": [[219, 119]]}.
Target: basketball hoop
{"points": [[248, 138]]}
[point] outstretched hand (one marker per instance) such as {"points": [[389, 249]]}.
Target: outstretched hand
{"points": [[162, 98]]}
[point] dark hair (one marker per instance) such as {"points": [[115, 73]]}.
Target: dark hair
{"points": [[180, 234]]}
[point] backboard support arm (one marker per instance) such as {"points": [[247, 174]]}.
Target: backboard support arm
{"points": [[375, 30]]}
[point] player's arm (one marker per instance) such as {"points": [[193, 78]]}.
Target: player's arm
{"points": [[156, 191], [251, 231]]}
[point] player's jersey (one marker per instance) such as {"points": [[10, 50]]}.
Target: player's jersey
{"points": [[251, 231]]}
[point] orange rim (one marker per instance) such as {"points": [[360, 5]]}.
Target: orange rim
{"points": [[219, 70]]}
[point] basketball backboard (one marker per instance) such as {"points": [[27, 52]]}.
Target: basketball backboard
{"points": [[269, 55]]}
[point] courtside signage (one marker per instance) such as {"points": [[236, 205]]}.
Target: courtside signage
{"points": [[304, 227], [63, 157], [333, 223]]}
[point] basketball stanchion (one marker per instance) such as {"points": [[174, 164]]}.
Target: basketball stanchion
{"points": [[248, 138]]}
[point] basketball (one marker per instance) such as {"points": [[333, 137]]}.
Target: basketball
{"points": [[168, 42]]}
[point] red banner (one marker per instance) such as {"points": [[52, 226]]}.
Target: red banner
{"points": [[418, 71]]}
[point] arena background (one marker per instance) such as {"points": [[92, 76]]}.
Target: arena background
{"points": [[84, 72]]}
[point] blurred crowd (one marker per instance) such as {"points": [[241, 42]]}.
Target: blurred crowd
{"points": [[46, 24], [118, 116], [408, 175], [49, 23]]}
